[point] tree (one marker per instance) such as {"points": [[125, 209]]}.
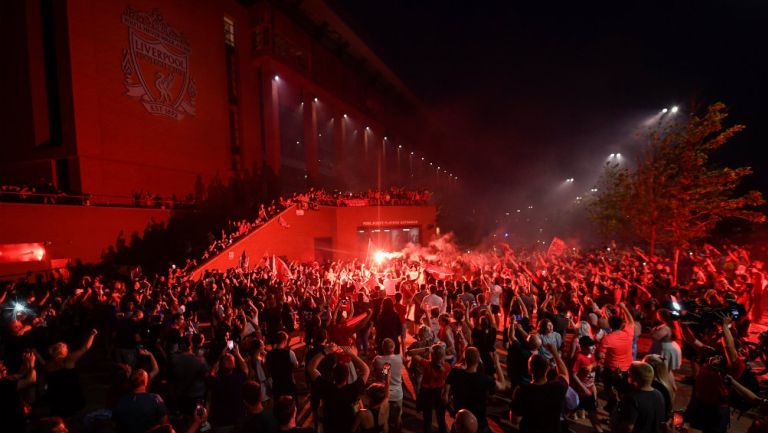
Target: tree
{"points": [[675, 194]]}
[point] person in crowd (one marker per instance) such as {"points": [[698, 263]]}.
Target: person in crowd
{"points": [[465, 422], [708, 409], [484, 339], [583, 381], [519, 353], [537, 406], [470, 389], [280, 362], [548, 336], [642, 409], [189, 373], [425, 340], [257, 419], [374, 416], [430, 396], [662, 382], [257, 369], [665, 340], [338, 396], [11, 385], [615, 350], [285, 414], [388, 324], [65, 393], [390, 364], [225, 387], [139, 410]]}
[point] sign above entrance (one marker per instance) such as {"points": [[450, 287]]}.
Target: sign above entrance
{"points": [[390, 223]]}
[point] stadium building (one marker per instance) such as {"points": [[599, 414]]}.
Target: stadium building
{"points": [[167, 97]]}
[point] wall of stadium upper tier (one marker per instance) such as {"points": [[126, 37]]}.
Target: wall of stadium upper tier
{"points": [[327, 232], [67, 233]]}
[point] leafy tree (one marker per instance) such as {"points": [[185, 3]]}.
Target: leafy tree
{"points": [[675, 194]]}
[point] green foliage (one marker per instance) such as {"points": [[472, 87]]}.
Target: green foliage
{"points": [[675, 195]]}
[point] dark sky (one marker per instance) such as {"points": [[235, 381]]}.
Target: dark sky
{"points": [[534, 92]]}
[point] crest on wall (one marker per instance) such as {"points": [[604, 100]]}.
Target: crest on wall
{"points": [[156, 65]]}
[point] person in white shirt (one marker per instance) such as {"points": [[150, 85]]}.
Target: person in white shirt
{"points": [[395, 367], [433, 300]]}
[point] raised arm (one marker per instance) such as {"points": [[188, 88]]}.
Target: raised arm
{"points": [[627, 314], [75, 355], [360, 364], [562, 371], [728, 344]]}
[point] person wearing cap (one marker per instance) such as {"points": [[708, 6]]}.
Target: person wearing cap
{"points": [[583, 381], [641, 410]]}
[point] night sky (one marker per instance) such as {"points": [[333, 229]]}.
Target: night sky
{"points": [[532, 93]]}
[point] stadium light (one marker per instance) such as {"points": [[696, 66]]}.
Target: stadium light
{"points": [[675, 109], [665, 110], [276, 78]]}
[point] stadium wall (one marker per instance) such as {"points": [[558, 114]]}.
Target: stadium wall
{"points": [[82, 233]]}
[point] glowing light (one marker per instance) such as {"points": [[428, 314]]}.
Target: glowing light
{"points": [[411, 153], [400, 146], [665, 110], [593, 190], [276, 78], [613, 155], [618, 155], [569, 180], [675, 108], [379, 257], [315, 99], [345, 115], [422, 158]]}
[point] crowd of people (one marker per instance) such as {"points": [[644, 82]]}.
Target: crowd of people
{"points": [[244, 349]]}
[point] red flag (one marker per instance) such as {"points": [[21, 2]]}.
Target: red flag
{"points": [[556, 247], [372, 283], [280, 269], [439, 272]]}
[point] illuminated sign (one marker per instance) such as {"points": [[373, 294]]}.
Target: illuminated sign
{"points": [[156, 65], [390, 223]]}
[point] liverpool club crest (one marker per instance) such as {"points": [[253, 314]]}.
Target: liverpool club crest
{"points": [[156, 65]]}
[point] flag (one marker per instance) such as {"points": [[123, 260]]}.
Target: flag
{"points": [[283, 223], [281, 271], [556, 247], [372, 283], [370, 251], [439, 272]]}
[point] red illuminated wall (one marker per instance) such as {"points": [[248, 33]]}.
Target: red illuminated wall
{"points": [[70, 232], [121, 146], [297, 242]]}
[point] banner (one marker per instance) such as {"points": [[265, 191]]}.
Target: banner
{"points": [[439, 272]]}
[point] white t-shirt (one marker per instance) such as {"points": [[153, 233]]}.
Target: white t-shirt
{"points": [[395, 374], [390, 286], [495, 294], [430, 302]]}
